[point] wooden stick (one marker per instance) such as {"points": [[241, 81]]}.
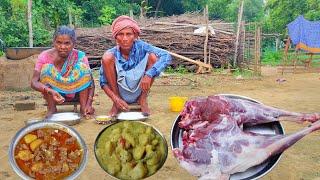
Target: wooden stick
{"points": [[285, 57], [191, 25], [176, 27], [238, 33], [205, 53], [169, 31], [199, 63]]}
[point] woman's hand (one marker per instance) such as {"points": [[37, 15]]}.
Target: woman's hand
{"points": [[145, 83], [121, 104], [56, 96]]}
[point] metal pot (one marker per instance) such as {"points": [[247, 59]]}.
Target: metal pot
{"points": [[38, 125], [17, 53], [252, 173], [156, 130]]}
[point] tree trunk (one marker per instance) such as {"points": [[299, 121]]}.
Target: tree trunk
{"points": [[141, 13], [157, 8], [30, 23], [143, 9], [131, 13], [70, 17]]}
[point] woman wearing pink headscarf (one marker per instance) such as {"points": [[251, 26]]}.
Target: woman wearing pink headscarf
{"points": [[128, 69]]}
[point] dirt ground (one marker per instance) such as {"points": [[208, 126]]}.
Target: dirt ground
{"points": [[294, 92]]}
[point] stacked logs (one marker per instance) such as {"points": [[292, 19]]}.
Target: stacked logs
{"points": [[220, 46], [178, 39], [94, 46]]}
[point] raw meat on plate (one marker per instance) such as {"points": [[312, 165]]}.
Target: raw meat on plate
{"points": [[214, 143]]}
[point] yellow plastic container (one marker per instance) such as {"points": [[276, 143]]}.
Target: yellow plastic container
{"points": [[177, 103]]}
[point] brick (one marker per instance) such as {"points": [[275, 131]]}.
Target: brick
{"points": [[24, 105]]}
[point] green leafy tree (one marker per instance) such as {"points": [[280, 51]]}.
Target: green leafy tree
{"points": [[76, 14], [172, 7], [167, 8], [93, 9], [107, 15], [57, 11], [14, 29], [280, 13], [313, 10], [194, 5], [253, 11], [217, 8]]}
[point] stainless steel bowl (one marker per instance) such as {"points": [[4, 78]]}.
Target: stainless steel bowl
{"points": [[31, 121], [252, 173], [156, 130], [38, 125], [68, 118]]}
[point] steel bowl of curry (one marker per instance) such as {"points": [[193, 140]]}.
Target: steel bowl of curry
{"points": [[130, 150], [48, 150]]}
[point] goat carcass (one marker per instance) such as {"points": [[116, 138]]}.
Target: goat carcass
{"points": [[214, 143]]}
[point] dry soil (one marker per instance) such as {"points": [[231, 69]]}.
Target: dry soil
{"points": [[294, 92]]}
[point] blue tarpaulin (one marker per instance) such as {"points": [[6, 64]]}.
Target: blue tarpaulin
{"points": [[305, 34]]}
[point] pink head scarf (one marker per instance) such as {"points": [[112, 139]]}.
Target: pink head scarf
{"points": [[122, 22]]}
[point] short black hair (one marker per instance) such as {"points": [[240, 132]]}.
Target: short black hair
{"points": [[65, 30]]}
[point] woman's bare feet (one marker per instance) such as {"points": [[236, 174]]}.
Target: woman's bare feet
{"points": [[87, 112], [145, 109], [82, 112]]}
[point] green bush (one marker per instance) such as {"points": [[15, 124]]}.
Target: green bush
{"points": [[180, 70], [270, 57], [169, 70], [108, 13], [243, 73]]}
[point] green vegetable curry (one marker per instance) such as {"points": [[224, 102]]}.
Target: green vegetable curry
{"points": [[130, 150]]}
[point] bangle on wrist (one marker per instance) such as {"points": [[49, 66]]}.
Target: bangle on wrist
{"points": [[44, 90]]}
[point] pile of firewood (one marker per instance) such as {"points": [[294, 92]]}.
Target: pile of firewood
{"points": [[219, 48], [94, 46], [173, 37]]}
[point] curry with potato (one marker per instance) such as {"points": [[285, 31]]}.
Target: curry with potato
{"points": [[48, 153], [130, 150]]}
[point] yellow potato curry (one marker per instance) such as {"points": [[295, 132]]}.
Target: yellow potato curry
{"points": [[48, 153]]}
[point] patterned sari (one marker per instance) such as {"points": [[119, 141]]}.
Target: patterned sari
{"points": [[74, 76]]}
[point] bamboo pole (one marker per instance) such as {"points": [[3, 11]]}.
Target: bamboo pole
{"points": [[205, 48], [243, 45], [285, 57], [255, 48], [238, 34], [258, 50], [199, 63]]}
